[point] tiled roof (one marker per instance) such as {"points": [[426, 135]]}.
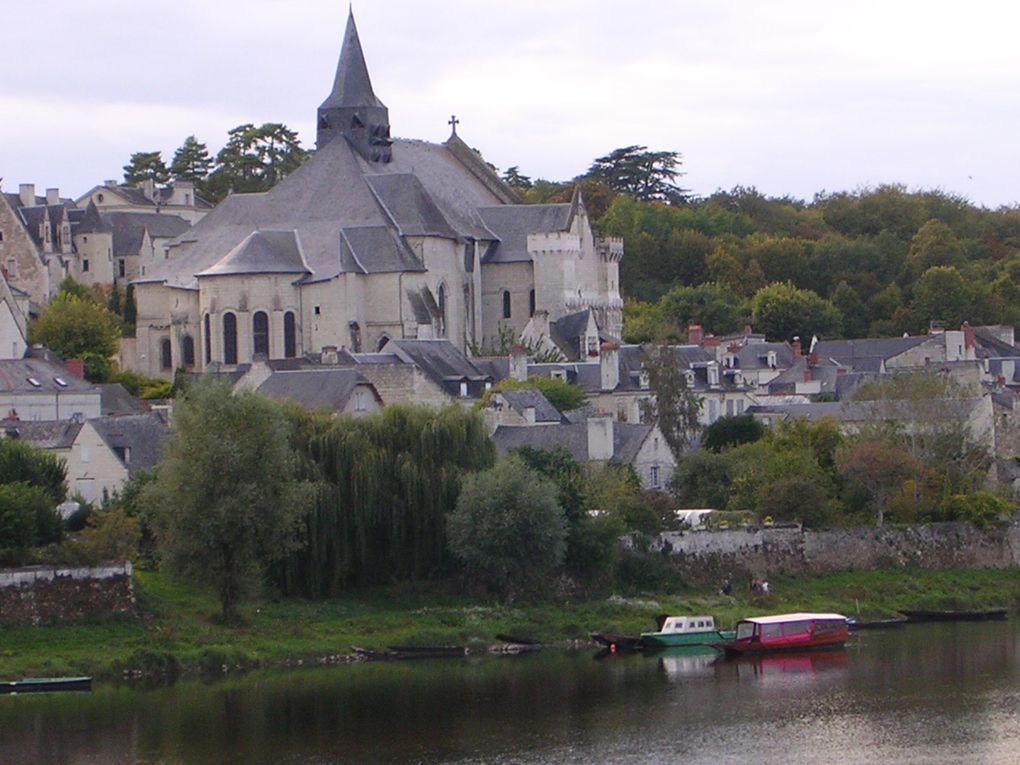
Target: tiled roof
{"points": [[42, 434], [137, 439], [329, 389]]}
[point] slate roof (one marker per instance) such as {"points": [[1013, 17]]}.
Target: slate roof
{"points": [[755, 355], [351, 86], [42, 434], [441, 362], [337, 191], [627, 439], [328, 388], [137, 437], [566, 332], [114, 399], [867, 354], [16, 376], [374, 250], [994, 345], [512, 224], [524, 398], [262, 252]]}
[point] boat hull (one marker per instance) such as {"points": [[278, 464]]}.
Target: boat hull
{"points": [[47, 685], [993, 614], [672, 640], [752, 647]]}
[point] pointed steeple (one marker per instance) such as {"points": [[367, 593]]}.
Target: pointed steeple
{"points": [[352, 109], [351, 86]]}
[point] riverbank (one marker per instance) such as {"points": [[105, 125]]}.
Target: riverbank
{"points": [[176, 631]]}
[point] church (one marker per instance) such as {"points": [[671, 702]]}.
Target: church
{"points": [[374, 238]]}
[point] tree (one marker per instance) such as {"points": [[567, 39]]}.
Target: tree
{"points": [[145, 166], [255, 159], [675, 407], [515, 179], [191, 161], [856, 319], [731, 431], [508, 529], [22, 463], [942, 295], [130, 310], [642, 174], [27, 519], [386, 485], [73, 327], [934, 244], [561, 394], [718, 309], [225, 503], [783, 312], [880, 468]]}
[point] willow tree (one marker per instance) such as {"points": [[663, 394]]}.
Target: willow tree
{"points": [[386, 485]]}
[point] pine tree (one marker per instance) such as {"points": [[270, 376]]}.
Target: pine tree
{"points": [[145, 166], [191, 161]]}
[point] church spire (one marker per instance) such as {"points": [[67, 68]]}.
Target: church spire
{"points": [[351, 86], [352, 109]]}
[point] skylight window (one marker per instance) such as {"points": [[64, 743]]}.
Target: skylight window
{"points": [[34, 383], [60, 381]]}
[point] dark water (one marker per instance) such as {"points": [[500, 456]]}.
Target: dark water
{"points": [[924, 694]]}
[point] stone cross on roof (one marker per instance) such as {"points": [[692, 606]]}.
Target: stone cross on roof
{"points": [[453, 122]]}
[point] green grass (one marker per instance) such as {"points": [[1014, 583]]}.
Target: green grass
{"points": [[177, 628]]}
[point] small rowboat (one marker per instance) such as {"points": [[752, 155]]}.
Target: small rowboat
{"points": [[991, 614], [46, 685]]}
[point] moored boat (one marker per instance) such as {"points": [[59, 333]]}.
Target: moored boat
{"points": [[786, 632], [990, 614], [685, 630], [46, 685]]}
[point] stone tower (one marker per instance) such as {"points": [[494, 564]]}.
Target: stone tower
{"points": [[352, 110]]}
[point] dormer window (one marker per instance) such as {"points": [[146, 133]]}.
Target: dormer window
{"points": [[644, 379], [689, 378], [559, 374], [713, 375], [463, 390], [771, 359]]}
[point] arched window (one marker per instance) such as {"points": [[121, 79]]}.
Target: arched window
{"points": [[531, 303], [165, 357], [229, 338], [260, 333], [441, 300], [506, 304], [208, 339], [188, 350], [289, 336]]}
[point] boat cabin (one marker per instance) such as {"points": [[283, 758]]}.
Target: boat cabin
{"points": [[777, 628], [685, 624]]}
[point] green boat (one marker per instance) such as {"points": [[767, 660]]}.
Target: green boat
{"points": [[685, 630]]}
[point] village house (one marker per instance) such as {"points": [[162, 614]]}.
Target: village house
{"points": [[374, 239], [598, 439], [41, 387], [177, 199], [13, 321], [101, 454]]}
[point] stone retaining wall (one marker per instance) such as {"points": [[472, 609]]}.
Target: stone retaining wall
{"points": [[40, 595], [707, 556]]}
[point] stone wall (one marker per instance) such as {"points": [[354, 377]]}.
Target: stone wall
{"points": [[708, 556], [40, 595]]}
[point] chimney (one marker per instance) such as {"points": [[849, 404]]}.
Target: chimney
{"points": [[969, 336], [600, 437], [695, 334], [75, 367], [26, 191], [529, 415], [609, 366], [330, 357], [518, 363], [110, 183], [795, 346], [148, 187], [53, 196]]}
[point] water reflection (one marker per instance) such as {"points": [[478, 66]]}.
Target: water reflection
{"points": [[924, 694]]}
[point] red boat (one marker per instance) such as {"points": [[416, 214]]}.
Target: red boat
{"points": [[786, 632]]}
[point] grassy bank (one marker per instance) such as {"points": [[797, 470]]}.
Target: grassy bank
{"points": [[177, 630]]}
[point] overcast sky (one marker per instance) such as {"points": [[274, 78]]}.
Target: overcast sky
{"points": [[790, 96]]}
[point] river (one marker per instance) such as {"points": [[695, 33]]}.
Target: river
{"points": [[939, 693]]}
